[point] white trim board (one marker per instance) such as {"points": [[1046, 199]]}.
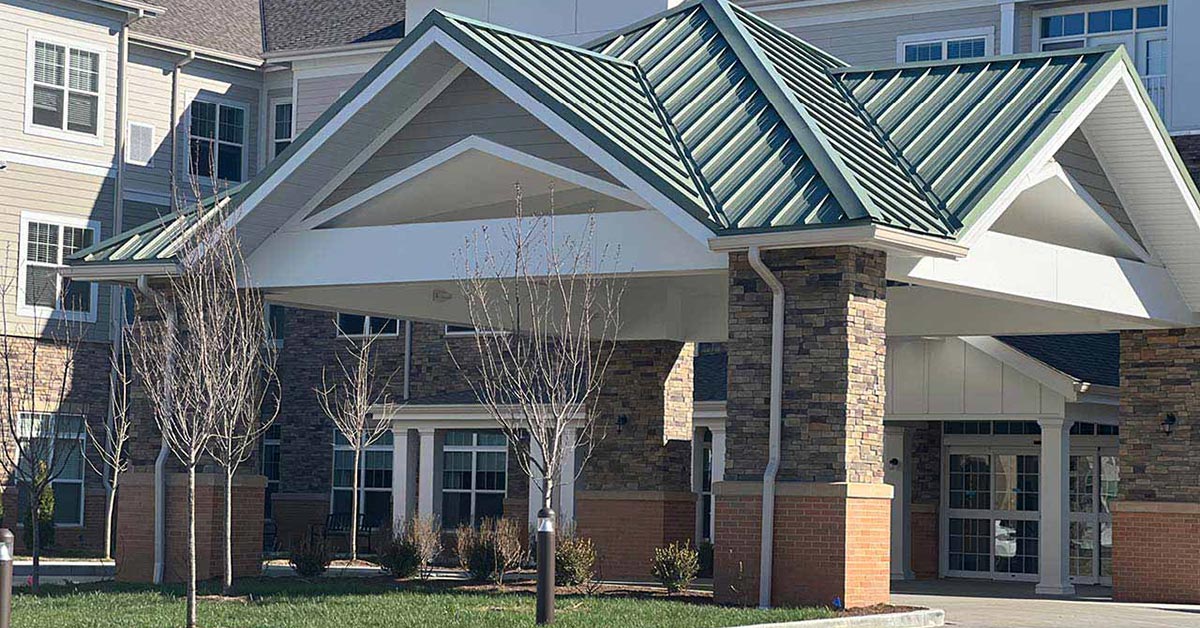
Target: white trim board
{"points": [[482, 145]]}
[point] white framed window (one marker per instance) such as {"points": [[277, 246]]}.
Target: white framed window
{"points": [[460, 330], [474, 476], [375, 479], [269, 465], [64, 89], [46, 241], [357, 325], [281, 125], [139, 144], [217, 140], [65, 457], [944, 46]]}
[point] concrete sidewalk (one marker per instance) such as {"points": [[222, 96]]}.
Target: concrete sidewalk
{"points": [[977, 604]]}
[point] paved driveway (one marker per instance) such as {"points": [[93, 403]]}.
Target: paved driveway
{"points": [[1013, 605]]}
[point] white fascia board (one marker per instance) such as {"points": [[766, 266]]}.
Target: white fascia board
{"points": [[184, 48], [483, 145], [1033, 173], [895, 241], [346, 50], [1019, 269], [650, 244], [1040, 372]]}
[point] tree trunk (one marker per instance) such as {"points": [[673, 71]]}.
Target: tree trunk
{"points": [[35, 578], [227, 585], [354, 510], [191, 547], [109, 509]]}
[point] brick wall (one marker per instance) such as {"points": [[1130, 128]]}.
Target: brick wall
{"points": [[626, 526], [1189, 148], [923, 531], [1156, 553], [827, 547], [135, 529], [834, 347]]}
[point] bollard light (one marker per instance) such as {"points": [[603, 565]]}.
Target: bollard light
{"points": [[545, 566], [7, 541]]}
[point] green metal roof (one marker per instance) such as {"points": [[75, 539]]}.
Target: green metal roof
{"points": [[965, 128], [749, 128]]}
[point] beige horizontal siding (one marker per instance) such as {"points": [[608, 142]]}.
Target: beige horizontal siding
{"points": [[469, 106], [873, 41], [315, 95]]}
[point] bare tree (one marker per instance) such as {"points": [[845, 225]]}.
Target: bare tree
{"points": [[545, 308], [200, 351], [349, 397], [38, 364], [111, 457]]}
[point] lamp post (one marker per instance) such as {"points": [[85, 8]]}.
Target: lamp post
{"points": [[6, 577], [545, 566]]}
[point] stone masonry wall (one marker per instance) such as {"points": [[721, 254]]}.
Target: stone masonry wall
{"points": [[1160, 374], [833, 365]]}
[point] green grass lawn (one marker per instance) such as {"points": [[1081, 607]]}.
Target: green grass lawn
{"points": [[361, 603]]}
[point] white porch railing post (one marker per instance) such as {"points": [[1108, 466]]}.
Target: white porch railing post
{"points": [[1053, 530]]}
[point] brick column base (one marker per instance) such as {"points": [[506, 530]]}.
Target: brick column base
{"points": [[1156, 552], [831, 542], [923, 528], [626, 526], [135, 526]]}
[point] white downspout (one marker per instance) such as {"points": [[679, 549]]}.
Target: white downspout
{"points": [[776, 419], [164, 451]]}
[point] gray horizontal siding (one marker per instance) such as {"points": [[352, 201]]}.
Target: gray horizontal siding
{"points": [[469, 106], [1078, 159], [315, 95]]}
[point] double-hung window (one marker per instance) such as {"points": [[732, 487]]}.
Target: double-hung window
{"points": [[354, 325], [946, 46], [374, 480], [217, 141], [65, 89], [474, 476], [46, 242], [270, 466], [58, 441], [281, 126]]}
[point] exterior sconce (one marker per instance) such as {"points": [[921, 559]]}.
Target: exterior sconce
{"points": [[622, 421], [1169, 422]]}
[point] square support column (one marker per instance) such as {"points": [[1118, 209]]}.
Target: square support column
{"points": [[1053, 531], [831, 537], [403, 479], [426, 467]]}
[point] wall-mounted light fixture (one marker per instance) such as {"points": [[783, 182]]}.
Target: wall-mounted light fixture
{"points": [[1168, 423], [622, 421]]}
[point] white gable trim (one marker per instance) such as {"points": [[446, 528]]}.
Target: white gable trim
{"points": [[1032, 173], [1040, 372], [1102, 213], [483, 145]]}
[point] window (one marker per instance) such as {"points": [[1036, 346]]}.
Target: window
{"points": [[46, 242], [375, 479], [68, 438], [944, 46], [270, 466], [217, 141], [359, 325], [276, 316], [139, 144], [64, 90], [1092, 28], [460, 330], [474, 477], [281, 126]]}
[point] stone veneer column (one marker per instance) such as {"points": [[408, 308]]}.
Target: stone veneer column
{"points": [[635, 490], [1156, 520], [832, 512]]}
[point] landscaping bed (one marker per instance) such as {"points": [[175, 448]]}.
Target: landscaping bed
{"points": [[380, 602]]}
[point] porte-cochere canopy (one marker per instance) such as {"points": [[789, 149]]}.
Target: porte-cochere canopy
{"points": [[1040, 181]]}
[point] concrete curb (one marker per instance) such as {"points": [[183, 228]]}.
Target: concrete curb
{"points": [[913, 619]]}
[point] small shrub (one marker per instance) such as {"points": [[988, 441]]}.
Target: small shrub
{"points": [[705, 551], [574, 558], [491, 551], [411, 550], [675, 566], [310, 557]]}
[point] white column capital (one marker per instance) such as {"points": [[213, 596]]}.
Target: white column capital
{"points": [[1055, 423]]}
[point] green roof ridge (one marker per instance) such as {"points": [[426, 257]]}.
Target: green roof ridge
{"points": [[854, 200]]}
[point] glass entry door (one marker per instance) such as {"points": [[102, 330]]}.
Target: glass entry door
{"points": [[1095, 472], [992, 513]]}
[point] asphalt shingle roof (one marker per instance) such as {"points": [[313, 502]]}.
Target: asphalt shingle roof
{"points": [[1091, 358], [233, 26]]}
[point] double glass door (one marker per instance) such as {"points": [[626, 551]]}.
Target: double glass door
{"points": [[992, 513], [1094, 474]]}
